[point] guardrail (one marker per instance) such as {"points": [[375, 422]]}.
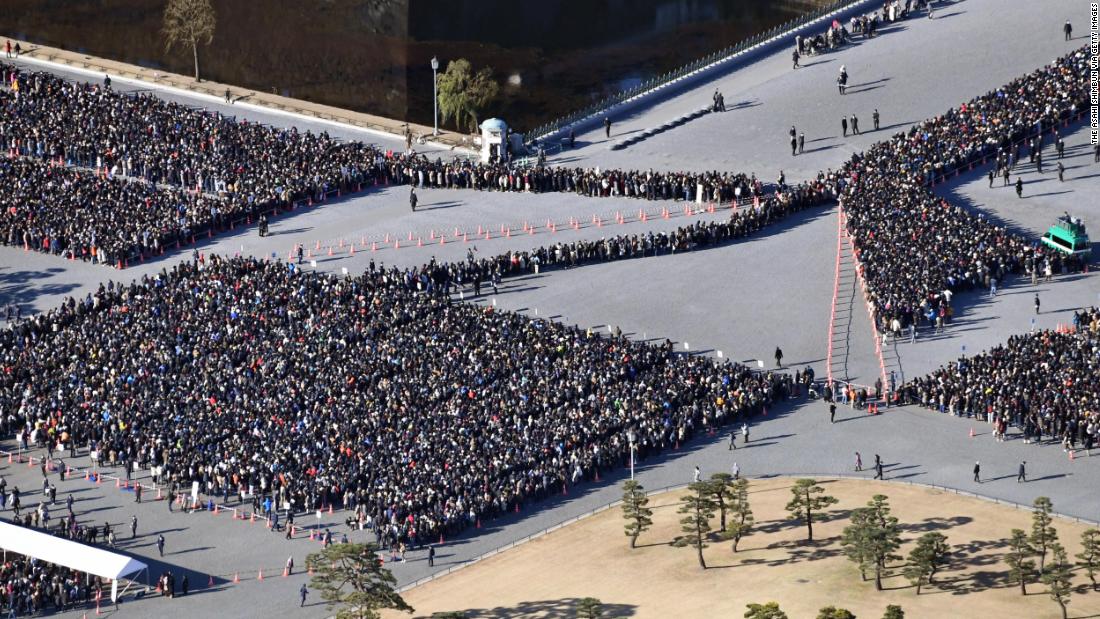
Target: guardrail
{"points": [[664, 79]]}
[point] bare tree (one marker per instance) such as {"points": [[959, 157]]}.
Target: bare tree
{"points": [[189, 22]]}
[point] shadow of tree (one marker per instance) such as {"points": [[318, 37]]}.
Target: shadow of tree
{"points": [[564, 608]]}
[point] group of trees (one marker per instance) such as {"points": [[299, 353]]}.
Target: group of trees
{"points": [[771, 610], [1043, 539], [871, 540], [729, 496]]}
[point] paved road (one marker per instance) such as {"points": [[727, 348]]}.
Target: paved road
{"points": [[913, 70], [743, 299]]}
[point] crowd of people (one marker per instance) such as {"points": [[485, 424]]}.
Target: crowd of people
{"points": [[29, 586], [151, 173], [915, 247], [256, 378], [1045, 383], [81, 215]]}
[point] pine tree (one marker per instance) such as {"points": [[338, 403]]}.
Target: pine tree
{"points": [[872, 538], [1059, 576], [1090, 554], [639, 517], [1043, 535], [832, 612], [351, 577], [741, 518], [589, 608], [1020, 567], [855, 539], [698, 510], [894, 611], [765, 611], [721, 490], [929, 554], [805, 502]]}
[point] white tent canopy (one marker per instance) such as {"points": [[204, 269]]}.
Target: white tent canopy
{"points": [[45, 547]]}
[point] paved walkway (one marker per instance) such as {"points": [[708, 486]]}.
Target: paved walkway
{"points": [[743, 299]]}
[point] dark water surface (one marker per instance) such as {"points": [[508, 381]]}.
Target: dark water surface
{"points": [[550, 56]]}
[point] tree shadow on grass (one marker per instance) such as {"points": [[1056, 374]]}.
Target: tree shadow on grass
{"points": [[564, 608]]}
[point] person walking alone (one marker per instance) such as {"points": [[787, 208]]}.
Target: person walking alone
{"points": [[832, 412], [855, 125], [302, 593], [844, 125], [160, 544], [778, 357], [1021, 475], [1068, 30], [607, 126], [874, 118], [801, 142], [978, 472], [733, 442], [859, 462], [1036, 303]]}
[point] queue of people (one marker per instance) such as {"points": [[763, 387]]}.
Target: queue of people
{"points": [[254, 378]]}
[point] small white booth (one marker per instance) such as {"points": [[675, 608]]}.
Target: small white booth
{"points": [[494, 135]]}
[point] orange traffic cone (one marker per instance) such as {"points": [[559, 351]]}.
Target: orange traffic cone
{"points": [[237, 577], [286, 572], [260, 576], [1071, 456], [330, 508], [210, 583], [971, 432]]}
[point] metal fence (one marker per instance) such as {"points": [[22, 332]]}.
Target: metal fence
{"points": [[710, 59]]}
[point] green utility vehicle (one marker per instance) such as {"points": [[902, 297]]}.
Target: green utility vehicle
{"points": [[1068, 236]]}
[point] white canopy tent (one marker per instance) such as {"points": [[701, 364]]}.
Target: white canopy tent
{"points": [[60, 551]]}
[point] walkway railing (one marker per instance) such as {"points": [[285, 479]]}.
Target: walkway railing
{"points": [[720, 56]]}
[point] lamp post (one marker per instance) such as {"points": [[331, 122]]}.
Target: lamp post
{"points": [[630, 439], [435, 95]]}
